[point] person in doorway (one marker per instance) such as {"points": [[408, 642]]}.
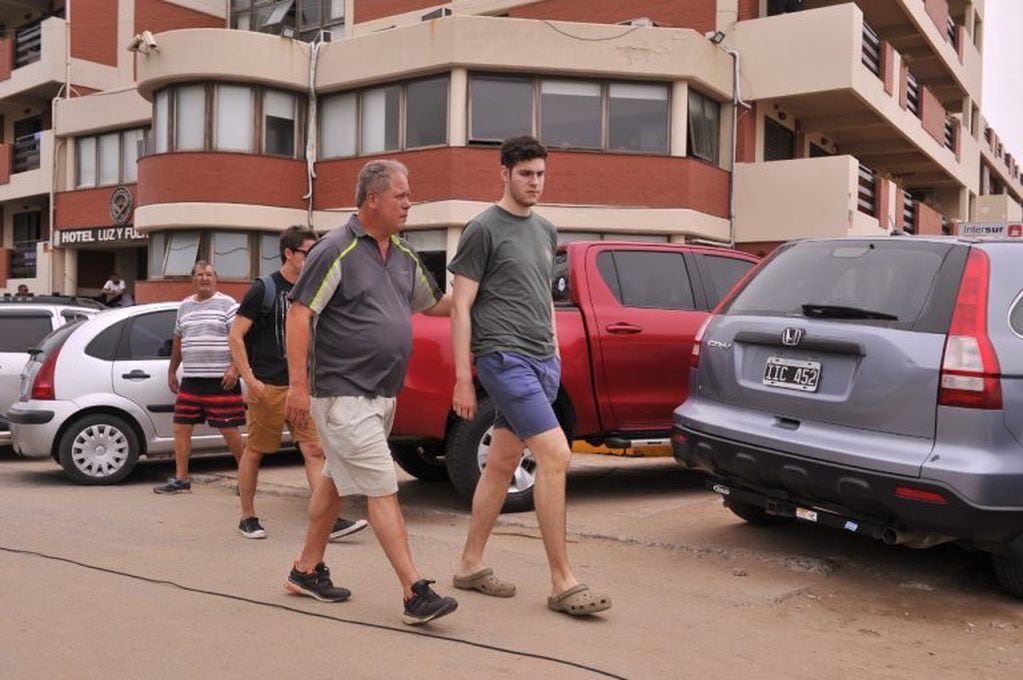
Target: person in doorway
{"points": [[209, 390], [362, 284], [113, 291], [23, 290], [257, 343], [503, 315]]}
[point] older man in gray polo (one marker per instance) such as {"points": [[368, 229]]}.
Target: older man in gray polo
{"points": [[362, 284]]}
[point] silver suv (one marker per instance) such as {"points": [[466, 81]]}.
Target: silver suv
{"points": [[871, 385], [24, 322]]}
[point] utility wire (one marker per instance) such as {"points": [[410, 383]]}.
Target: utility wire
{"points": [[303, 612]]}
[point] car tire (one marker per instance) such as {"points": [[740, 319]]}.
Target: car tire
{"points": [[1009, 572], [755, 515], [420, 461], [465, 453], [98, 449]]}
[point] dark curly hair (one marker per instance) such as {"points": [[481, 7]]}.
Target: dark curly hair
{"points": [[514, 150]]}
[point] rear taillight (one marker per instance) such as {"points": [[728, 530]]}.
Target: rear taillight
{"points": [[970, 374], [694, 361], [42, 386]]}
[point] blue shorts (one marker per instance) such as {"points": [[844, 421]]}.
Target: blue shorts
{"points": [[523, 389]]}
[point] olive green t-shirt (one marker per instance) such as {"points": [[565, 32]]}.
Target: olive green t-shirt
{"points": [[512, 258]]}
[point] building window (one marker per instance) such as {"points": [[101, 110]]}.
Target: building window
{"points": [[637, 118], [236, 255], [389, 118], [779, 141], [704, 127], [107, 159], [303, 19], [570, 114], [233, 119], [230, 113], [280, 111], [27, 233]]}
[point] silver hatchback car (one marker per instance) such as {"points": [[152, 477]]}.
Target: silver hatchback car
{"points": [[871, 385], [95, 397]]}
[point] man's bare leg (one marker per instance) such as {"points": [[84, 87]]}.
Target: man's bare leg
{"points": [[553, 455], [389, 526], [312, 459], [182, 449], [324, 506], [248, 473], [491, 490], [233, 438]]}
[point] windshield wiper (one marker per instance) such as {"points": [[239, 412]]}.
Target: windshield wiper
{"points": [[842, 312]]}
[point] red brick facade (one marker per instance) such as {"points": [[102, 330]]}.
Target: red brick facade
{"points": [[6, 57], [574, 178], [368, 10], [223, 178], [5, 163], [156, 290], [888, 66], [5, 265], [696, 14], [938, 11], [157, 15], [928, 220], [932, 115], [94, 31], [85, 207], [749, 9], [746, 135]]}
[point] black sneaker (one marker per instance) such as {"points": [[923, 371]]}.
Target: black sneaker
{"points": [[316, 584], [174, 485], [251, 528], [345, 527], [426, 605]]}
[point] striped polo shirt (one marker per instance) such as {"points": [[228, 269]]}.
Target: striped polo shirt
{"points": [[362, 338], [203, 327]]}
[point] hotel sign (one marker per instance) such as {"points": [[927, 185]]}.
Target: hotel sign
{"points": [[107, 236]]}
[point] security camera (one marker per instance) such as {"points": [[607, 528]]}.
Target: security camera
{"points": [[150, 40], [144, 42], [136, 44]]}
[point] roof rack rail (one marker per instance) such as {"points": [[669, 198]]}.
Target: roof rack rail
{"points": [[73, 300]]}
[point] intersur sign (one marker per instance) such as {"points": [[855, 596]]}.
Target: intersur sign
{"points": [[998, 229], [107, 236]]}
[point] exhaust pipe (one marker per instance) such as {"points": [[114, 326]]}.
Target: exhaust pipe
{"points": [[913, 539]]}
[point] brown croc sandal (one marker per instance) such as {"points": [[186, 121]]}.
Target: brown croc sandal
{"points": [[485, 582], [579, 601]]}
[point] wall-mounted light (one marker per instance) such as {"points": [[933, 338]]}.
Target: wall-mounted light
{"points": [[714, 36]]}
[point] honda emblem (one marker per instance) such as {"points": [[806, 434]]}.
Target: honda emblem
{"points": [[791, 336]]}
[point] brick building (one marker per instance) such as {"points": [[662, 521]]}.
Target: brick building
{"points": [[844, 118]]}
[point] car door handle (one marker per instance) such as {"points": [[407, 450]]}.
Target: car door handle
{"points": [[622, 328], [136, 375]]}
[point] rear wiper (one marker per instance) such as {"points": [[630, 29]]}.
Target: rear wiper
{"points": [[843, 312]]}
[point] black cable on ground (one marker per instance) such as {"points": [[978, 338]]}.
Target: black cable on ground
{"points": [[365, 624]]}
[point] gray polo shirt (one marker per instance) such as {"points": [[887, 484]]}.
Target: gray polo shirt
{"points": [[362, 337]]}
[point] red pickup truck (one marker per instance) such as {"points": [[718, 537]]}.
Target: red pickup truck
{"points": [[627, 313]]}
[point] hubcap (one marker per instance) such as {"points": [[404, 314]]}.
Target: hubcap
{"points": [[100, 450], [525, 473]]}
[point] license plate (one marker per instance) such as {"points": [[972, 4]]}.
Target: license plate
{"points": [[792, 374]]}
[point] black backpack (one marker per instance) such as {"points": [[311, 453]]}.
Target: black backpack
{"points": [[269, 293]]}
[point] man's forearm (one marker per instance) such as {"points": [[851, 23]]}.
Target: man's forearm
{"points": [[297, 333], [461, 337], [240, 357]]}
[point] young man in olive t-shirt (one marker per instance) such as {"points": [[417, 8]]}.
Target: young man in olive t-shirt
{"points": [[502, 314]]}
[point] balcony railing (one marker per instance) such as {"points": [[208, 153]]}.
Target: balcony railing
{"points": [[26, 152], [912, 94], [946, 226], [866, 197], [871, 50], [950, 132], [908, 214], [950, 31], [28, 44]]}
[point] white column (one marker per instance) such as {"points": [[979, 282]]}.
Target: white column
{"points": [[458, 107], [679, 117]]}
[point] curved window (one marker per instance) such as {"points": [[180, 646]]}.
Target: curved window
{"points": [[240, 118], [338, 125], [108, 159], [236, 254]]}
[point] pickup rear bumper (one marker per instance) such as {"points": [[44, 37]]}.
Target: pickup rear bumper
{"points": [[780, 483]]}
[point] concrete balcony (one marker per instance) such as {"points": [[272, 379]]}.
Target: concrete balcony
{"points": [[803, 198], [811, 65], [45, 69], [30, 164], [997, 208]]}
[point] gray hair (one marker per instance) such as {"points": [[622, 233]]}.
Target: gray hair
{"points": [[375, 177]]}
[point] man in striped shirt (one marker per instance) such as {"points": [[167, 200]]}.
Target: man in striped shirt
{"points": [[209, 390]]}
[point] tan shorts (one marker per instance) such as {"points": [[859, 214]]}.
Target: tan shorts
{"points": [[266, 422], [355, 431]]}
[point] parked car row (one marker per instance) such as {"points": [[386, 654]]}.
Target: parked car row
{"points": [[871, 385]]}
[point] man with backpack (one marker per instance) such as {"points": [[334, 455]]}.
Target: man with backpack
{"points": [[258, 349]]}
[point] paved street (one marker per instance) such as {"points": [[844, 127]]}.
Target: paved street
{"points": [[112, 582]]}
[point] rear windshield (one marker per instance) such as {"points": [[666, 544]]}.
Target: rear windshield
{"points": [[888, 283], [55, 339], [21, 331]]}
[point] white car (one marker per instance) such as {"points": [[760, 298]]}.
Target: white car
{"points": [[24, 322], [95, 398]]}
